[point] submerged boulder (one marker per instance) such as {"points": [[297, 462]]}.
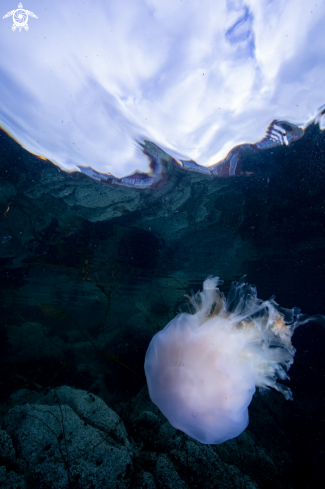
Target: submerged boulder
{"points": [[70, 436]]}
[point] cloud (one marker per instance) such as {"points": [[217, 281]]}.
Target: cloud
{"points": [[89, 80]]}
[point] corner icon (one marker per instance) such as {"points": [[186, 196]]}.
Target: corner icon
{"points": [[20, 18]]}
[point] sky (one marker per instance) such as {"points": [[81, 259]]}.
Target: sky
{"points": [[91, 79]]}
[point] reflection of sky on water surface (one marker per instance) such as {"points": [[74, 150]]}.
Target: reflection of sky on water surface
{"points": [[90, 79]]}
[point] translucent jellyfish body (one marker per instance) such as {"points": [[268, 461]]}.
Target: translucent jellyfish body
{"points": [[203, 368]]}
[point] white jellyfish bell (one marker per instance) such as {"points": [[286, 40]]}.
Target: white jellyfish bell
{"points": [[203, 368]]}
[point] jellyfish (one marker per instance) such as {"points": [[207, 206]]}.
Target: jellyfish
{"points": [[203, 368]]}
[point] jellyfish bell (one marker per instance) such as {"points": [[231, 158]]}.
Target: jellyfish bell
{"points": [[203, 368]]}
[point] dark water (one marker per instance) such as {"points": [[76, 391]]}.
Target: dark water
{"points": [[91, 272]]}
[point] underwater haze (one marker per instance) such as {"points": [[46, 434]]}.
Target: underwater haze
{"points": [[162, 250]]}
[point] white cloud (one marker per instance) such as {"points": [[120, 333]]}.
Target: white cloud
{"points": [[90, 79]]}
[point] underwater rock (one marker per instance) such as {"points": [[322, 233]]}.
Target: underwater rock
{"points": [[71, 435], [172, 457], [91, 409], [167, 476], [145, 481], [7, 452], [10, 480]]}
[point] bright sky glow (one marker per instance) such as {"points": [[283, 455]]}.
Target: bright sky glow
{"points": [[91, 78]]}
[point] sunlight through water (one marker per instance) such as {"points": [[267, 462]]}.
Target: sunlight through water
{"points": [[90, 81]]}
